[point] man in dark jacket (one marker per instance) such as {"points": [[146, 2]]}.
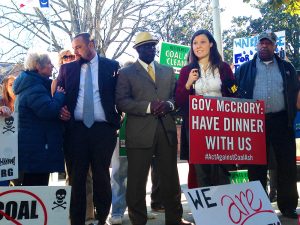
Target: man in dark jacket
{"points": [[91, 124], [274, 80]]}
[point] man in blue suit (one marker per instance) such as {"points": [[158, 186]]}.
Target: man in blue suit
{"points": [[89, 141]]}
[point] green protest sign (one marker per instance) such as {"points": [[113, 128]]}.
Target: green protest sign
{"points": [[239, 176], [122, 149], [173, 55]]}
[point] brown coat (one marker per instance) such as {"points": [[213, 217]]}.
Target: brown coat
{"points": [[135, 90]]}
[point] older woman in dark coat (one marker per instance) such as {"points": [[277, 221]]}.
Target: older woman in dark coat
{"points": [[40, 130]]}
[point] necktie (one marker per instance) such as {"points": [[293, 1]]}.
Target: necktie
{"points": [[151, 72], [88, 100]]}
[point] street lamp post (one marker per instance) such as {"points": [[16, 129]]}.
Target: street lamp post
{"points": [[217, 25]]}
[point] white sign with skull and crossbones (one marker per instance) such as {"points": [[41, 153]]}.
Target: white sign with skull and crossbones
{"points": [[60, 199], [9, 147], [9, 127], [44, 204]]}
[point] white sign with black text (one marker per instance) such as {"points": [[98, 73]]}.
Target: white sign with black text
{"points": [[232, 204], [9, 147]]}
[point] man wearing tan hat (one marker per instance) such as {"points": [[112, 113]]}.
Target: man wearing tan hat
{"points": [[274, 80], [145, 92]]}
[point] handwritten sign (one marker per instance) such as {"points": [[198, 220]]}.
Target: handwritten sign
{"points": [[226, 131], [232, 204], [244, 48], [34, 205], [9, 147]]}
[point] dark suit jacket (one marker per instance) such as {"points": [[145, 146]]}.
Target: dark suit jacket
{"points": [[69, 79], [135, 90]]}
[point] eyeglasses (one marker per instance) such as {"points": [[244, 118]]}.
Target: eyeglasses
{"points": [[65, 57]]}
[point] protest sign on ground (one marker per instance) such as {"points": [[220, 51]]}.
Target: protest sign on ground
{"points": [[34, 205], [232, 204]]}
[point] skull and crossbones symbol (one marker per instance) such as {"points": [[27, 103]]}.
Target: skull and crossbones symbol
{"points": [[9, 121], [60, 196]]}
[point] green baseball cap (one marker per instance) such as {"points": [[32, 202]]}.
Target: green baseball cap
{"points": [[268, 35]]}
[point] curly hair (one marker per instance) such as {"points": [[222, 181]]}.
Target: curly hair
{"points": [[62, 53], [33, 59]]}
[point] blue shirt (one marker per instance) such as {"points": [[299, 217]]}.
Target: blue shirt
{"points": [[268, 86]]}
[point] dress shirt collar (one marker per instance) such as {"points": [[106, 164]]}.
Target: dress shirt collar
{"points": [[266, 62], [145, 65], [94, 60]]}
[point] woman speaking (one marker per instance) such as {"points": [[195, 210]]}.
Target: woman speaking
{"points": [[207, 75]]}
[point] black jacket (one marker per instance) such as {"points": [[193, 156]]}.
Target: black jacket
{"points": [[245, 77], [69, 79]]}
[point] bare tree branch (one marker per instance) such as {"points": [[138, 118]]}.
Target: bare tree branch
{"points": [[112, 23]]}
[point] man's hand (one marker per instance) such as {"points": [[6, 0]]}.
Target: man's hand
{"points": [[64, 114], [160, 108], [60, 90], [154, 106], [5, 111]]}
